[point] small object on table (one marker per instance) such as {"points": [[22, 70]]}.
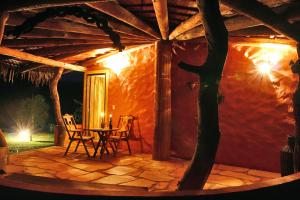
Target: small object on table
{"points": [[110, 121], [102, 120]]}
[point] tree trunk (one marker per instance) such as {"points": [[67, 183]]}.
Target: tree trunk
{"points": [[210, 75], [296, 103], [162, 135], [56, 105]]}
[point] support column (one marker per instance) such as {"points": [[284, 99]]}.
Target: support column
{"points": [[162, 134], [3, 19], [57, 110]]}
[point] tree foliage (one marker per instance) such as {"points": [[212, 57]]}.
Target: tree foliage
{"points": [[32, 113]]}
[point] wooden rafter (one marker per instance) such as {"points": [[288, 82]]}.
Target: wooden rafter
{"points": [[265, 15], [50, 42], [232, 24], [57, 58], [73, 48], [189, 24], [3, 19], [38, 59], [115, 10], [21, 5], [161, 12], [196, 20]]}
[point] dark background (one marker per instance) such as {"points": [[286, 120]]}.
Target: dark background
{"points": [[70, 89]]}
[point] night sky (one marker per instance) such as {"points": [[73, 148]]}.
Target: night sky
{"points": [[70, 88]]}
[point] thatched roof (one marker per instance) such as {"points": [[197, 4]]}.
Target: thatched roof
{"points": [[78, 39]]}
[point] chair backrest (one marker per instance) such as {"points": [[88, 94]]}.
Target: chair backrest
{"points": [[69, 123], [125, 124]]}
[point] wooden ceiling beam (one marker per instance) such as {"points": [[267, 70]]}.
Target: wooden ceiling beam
{"points": [[58, 25], [232, 24], [57, 42], [3, 19], [115, 10], [46, 42], [57, 58], [188, 24], [196, 20], [47, 51], [161, 12], [21, 5], [38, 59], [46, 33], [257, 31], [265, 15], [117, 27]]}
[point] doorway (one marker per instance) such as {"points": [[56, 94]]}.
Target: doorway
{"points": [[95, 99]]}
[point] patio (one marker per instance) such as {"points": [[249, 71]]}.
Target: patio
{"points": [[135, 170]]}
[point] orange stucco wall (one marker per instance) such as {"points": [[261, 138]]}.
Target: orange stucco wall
{"points": [[133, 92], [255, 117]]}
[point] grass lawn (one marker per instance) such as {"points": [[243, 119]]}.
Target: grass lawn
{"points": [[39, 140]]}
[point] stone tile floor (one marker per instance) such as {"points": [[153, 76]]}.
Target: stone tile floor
{"points": [[131, 170]]}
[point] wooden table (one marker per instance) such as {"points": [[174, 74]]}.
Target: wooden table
{"points": [[103, 134]]}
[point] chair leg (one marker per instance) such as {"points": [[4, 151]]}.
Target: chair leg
{"points": [[86, 150], [128, 146], [69, 145], [77, 146], [93, 143], [117, 147]]}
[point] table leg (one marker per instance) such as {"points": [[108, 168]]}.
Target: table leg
{"points": [[103, 147], [97, 147]]}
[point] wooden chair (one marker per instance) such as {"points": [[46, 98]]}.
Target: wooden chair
{"points": [[76, 134], [122, 134]]}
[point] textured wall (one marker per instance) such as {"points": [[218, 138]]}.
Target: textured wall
{"points": [[133, 92], [255, 117]]}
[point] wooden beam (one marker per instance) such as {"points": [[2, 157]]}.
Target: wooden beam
{"points": [[163, 123], [50, 42], [256, 31], [47, 42], [57, 58], [115, 10], [46, 33], [189, 24], [116, 26], [265, 15], [161, 12], [196, 20], [3, 19], [73, 48], [232, 24], [21, 5], [38, 59], [57, 25]]}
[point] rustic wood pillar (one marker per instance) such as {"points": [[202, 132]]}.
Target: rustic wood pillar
{"points": [[296, 103], [210, 75], [56, 104], [3, 19], [162, 134]]}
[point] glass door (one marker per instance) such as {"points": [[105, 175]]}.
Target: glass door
{"points": [[95, 99]]}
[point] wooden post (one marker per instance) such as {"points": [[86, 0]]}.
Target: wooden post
{"points": [[3, 19], [162, 135], [56, 104], [210, 75], [296, 103]]}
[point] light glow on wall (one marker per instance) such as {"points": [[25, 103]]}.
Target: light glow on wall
{"points": [[117, 62], [265, 57]]}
